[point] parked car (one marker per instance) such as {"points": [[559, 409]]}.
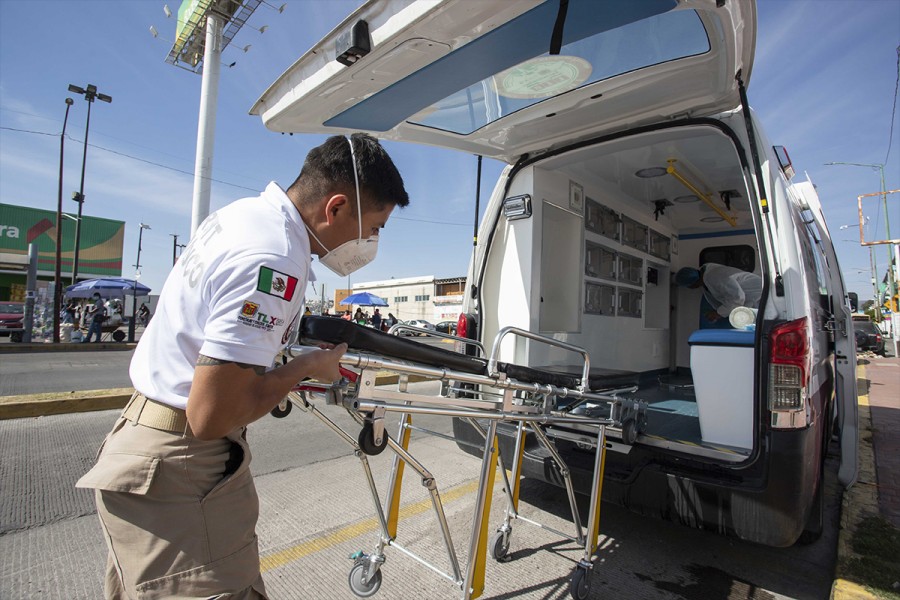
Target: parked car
{"points": [[420, 323], [868, 337], [446, 327], [12, 320]]}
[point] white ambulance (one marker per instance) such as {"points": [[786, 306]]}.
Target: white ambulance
{"points": [[632, 153]]}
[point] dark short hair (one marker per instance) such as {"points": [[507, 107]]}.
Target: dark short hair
{"points": [[329, 169]]}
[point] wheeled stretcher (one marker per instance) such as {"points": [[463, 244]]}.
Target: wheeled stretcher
{"points": [[484, 392]]}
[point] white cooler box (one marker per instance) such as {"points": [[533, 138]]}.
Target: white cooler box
{"points": [[722, 368]]}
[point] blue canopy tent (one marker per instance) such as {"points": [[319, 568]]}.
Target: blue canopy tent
{"points": [[108, 287], [364, 299]]}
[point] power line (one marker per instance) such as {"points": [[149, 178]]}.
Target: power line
{"points": [[149, 162], [434, 222], [143, 160]]}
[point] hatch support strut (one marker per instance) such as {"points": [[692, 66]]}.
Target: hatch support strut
{"points": [[760, 190]]}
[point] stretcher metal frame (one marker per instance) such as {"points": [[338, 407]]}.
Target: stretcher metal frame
{"points": [[530, 406]]}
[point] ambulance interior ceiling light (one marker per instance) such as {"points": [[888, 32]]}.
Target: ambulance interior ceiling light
{"points": [[651, 172]]}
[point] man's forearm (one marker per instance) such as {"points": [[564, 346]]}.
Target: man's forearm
{"points": [[227, 394]]}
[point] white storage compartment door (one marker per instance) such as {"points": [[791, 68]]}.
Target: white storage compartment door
{"points": [[561, 268], [722, 368]]}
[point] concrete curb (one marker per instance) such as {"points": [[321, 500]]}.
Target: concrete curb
{"points": [[10, 348], [39, 405], [858, 503]]}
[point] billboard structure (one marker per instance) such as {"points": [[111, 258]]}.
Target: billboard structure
{"points": [[189, 48], [204, 30], [101, 243]]}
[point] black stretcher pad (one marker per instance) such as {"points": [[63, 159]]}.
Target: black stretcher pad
{"points": [[335, 331]]}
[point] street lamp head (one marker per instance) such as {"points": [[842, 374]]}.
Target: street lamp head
{"points": [[69, 101], [75, 89], [144, 226], [104, 98]]}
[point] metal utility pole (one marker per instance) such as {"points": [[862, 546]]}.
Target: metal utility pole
{"points": [[891, 286], [195, 49], [206, 129], [90, 94], [57, 278], [137, 268]]}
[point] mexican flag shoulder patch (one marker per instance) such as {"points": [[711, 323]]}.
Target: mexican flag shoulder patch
{"points": [[276, 283]]}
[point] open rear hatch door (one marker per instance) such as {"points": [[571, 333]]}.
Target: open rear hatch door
{"points": [[502, 79]]}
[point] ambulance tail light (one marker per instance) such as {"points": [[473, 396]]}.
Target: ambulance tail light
{"points": [[789, 367], [467, 327]]}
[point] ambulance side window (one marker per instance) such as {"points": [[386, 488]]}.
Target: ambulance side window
{"points": [[813, 251], [739, 256]]}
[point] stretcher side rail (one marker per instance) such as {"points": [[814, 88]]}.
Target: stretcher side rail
{"points": [[624, 421], [401, 327]]}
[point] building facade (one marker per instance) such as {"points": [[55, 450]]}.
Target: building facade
{"points": [[100, 248], [426, 298]]}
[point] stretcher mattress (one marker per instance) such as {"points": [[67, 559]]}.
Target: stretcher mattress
{"points": [[359, 338]]}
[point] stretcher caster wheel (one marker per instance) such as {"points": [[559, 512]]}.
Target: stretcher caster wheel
{"points": [[629, 431], [358, 586], [367, 440], [499, 546], [282, 409], [580, 584]]}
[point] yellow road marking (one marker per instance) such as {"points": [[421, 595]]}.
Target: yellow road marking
{"points": [[862, 399], [283, 557]]}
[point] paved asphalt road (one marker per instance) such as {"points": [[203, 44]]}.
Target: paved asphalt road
{"points": [[315, 511], [40, 372]]}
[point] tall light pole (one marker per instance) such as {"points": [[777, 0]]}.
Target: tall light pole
{"points": [[90, 94], [57, 279], [873, 269], [137, 268], [887, 226]]}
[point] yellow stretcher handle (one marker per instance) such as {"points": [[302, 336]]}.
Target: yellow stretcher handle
{"points": [[394, 509], [595, 532], [480, 557]]}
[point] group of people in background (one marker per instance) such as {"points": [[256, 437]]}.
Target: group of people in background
{"points": [[94, 312], [376, 320]]}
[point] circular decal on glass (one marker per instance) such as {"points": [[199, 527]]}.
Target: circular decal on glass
{"points": [[543, 77]]}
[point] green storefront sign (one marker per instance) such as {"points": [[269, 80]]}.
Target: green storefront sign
{"points": [[100, 253]]}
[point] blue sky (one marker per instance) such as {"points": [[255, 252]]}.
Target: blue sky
{"points": [[823, 83]]}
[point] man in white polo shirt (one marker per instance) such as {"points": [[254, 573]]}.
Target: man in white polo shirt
{"points": [[174, 492]]}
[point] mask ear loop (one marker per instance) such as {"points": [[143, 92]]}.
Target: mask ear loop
{"points": [[356, 182]]}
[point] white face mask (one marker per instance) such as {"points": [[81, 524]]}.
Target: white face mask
{"points": [[352, 255]]}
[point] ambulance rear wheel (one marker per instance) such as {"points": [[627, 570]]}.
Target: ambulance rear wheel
{"points": [[358, 586], [367, 440], [282, 409]]}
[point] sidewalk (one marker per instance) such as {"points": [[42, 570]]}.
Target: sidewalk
{"points": [[884, 403], [868, 547]]}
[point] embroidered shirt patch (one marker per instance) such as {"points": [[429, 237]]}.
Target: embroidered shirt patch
{"points": [[249, 309], [275, 283]]}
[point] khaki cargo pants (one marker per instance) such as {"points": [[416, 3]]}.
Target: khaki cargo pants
{"points": [[179, 514]]}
